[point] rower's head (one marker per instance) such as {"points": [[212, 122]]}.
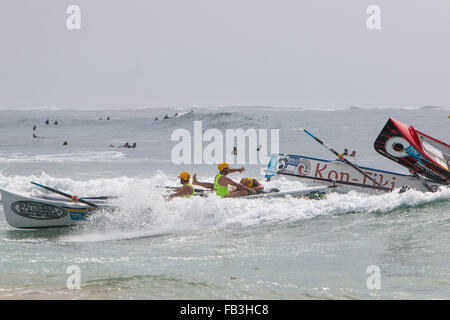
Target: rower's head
{"points": [[223, 168], [248, 182], [184, 177]]}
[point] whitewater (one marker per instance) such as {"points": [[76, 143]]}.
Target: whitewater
{"points": [[212, 248]]}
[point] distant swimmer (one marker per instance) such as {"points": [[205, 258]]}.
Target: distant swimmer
{"points": [[186, 190], [259, 148], [126, 145], [252, 183], [221, 182], [108, 118], [65, 143], [133, 146], [353, 154], [166, 116], [156, 118], [345, 152], [47, 122], [34, 128], [56, 123], [35, 136]]}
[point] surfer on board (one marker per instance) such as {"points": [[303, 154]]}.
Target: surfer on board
{"points": [[221, 182], [186, 190]]}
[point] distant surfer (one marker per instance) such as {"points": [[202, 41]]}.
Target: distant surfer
{"points": [[234, 150], [175, 114], [34, 128], [221, 182], [35, 136], [186, 190], [47, 122], [56, 123], [166, 116]]}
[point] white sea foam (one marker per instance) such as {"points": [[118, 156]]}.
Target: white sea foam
{"points": [[103, 156], [143, 212]]}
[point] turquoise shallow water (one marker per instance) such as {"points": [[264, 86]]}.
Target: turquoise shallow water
{"points": [[211, 248]]}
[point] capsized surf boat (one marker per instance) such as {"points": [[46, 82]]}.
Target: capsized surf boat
{"points": [[414, 150], [339, 174], [422, 154]]}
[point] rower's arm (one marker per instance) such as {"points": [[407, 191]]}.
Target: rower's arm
{"points": [[237, 170], [180, 192], [257, 185]]}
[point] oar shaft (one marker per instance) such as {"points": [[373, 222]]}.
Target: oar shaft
{"points": [[65, 194], [343, 159]]}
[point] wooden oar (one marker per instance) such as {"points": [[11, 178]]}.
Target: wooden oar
{"points": [[74, 198], [341, 157], [101, 197]]}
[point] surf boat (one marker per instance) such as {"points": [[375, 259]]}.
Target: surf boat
{"points": [[339, 175], [420, 153], [44, 211], [33, 213]]}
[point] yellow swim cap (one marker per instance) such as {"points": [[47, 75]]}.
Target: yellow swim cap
{"points": [[184, 175], [222, 166]]}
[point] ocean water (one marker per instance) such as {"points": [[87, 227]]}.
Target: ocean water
{"points": [[209, 248]]}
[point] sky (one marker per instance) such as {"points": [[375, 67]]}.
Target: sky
{"points": [[294, 53]]}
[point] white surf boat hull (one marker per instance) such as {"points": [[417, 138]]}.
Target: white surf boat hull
{"points": [[31, 213], [304, 192], [297, 166]]}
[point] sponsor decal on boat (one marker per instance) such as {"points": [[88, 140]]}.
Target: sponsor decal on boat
{"points": [[304, 167], [329, 170], [36, 210]]}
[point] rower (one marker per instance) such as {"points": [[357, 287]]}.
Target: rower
{"points": [[186, 190], [221, 182], [252, 183]]}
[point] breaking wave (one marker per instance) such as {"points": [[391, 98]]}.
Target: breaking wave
{"points": [[141, 210]]}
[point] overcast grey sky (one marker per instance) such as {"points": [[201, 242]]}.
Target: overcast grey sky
{"points": [[224, 52]]}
